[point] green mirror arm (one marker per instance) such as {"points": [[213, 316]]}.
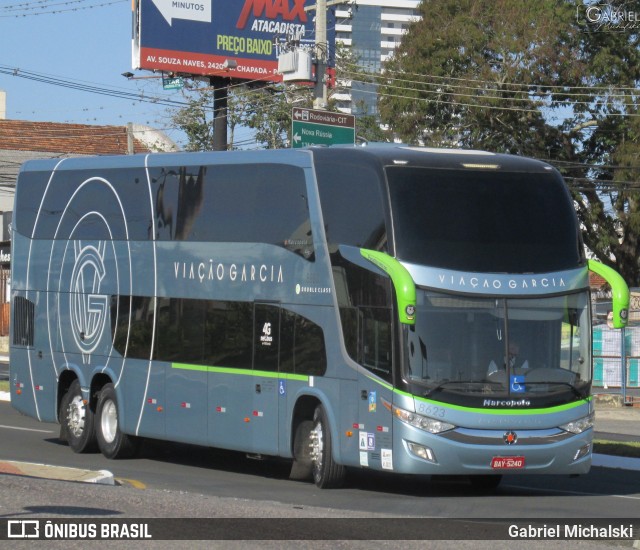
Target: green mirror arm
{"points": [[402, 282], [619, 292]]}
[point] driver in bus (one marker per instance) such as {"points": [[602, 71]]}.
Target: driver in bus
{"points": [[514, 362]]}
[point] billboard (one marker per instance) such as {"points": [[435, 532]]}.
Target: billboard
{"points": [[232, 38]]}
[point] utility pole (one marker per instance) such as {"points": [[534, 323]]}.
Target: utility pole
{"points": [[320, 95], [220, 87], [320, 89]]}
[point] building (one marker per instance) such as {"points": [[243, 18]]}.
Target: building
{"points": [[22, 140], [372, 29]]}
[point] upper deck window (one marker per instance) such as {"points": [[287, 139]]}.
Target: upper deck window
{"points": [[483, 221], [352, 204], [250, 203]]}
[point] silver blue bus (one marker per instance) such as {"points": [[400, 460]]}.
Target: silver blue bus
{"points": [[399, 309]]}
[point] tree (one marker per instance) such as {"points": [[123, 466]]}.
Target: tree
{"points": [[196, 120], [531, 78], [266, 108]]}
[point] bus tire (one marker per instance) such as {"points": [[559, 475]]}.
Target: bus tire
{"points": [[111, 441], [77, 421], [327, 473], [302, 467]]}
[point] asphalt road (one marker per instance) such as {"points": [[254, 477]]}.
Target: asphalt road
{"points": [[183, 481], [196, 470]]}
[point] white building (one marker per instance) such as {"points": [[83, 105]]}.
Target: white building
{"points": [[373, 29]]}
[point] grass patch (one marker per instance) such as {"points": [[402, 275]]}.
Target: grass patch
{"points": [[629, 449], [4, 385]]}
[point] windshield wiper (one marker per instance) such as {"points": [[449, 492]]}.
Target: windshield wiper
{"points": [[575, 390], [440, 386]]}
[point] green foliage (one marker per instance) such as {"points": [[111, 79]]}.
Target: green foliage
{"points": [[266, 109], [630, 449]]}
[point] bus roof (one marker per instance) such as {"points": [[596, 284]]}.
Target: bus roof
{"points": [[392, 154]]}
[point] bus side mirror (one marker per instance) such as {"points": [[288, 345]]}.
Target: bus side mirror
{"points": [[402, 283], [619, 292]]}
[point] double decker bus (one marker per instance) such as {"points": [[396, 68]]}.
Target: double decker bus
{"points": [[338, 307]]}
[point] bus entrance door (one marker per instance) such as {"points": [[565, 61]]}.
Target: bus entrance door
{"points": [[266, 350]]}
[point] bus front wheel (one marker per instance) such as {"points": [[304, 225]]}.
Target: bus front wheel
{"points": [[326, 472], [112, 442], [302, 467], [77, 421]]}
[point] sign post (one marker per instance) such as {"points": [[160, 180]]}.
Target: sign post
{"points": [[316, 127]]}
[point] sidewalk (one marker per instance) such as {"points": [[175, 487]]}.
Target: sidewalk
{"points": [[29, 469]]}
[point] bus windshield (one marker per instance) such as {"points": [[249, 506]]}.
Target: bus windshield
{"points": [[483, 221], [500, 348]]}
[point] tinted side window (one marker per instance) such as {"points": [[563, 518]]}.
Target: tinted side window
{"points": [[180, 330], [309, 351], [229, 334], [262, 203], [133, 338], [352, 204], [235, 335], [302, 347], [106, 204], [366, 305]]}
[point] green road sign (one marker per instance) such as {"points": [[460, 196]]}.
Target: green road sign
{"points": [[315, 127], [172, 83]]}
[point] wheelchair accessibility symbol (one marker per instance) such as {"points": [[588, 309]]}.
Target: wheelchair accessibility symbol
{"points": [[517, 384]]}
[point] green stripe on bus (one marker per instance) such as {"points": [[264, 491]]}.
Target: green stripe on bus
{"points": [[521, 412], [241, 372]]}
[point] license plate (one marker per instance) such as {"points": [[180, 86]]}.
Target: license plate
{"points": [[507, 462]]}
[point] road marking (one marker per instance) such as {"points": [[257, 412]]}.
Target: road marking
{"points": [[581, 493], [26, 429], [131, 482]]}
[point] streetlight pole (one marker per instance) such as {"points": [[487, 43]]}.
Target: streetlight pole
{"points": [[320, 89]]}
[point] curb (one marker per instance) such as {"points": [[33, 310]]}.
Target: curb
{"points": [[62, 473], [619, 462]]}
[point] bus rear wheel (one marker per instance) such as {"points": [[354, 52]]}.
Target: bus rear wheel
{"points": [[77, 421], [111, 441], [326, 472]]}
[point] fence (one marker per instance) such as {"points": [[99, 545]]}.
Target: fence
{"points": [[608, 348]]}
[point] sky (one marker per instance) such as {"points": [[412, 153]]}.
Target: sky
{"points": [[77, 42]]}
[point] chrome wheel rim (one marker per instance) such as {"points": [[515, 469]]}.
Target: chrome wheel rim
{"points": [[109, 421]]}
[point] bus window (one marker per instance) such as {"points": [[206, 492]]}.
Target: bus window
{"points": [[228, 334], [264, 203], [302, 348], [343, 185]]}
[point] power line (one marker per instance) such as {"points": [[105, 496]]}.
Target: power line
{"points": [[28, 10]]}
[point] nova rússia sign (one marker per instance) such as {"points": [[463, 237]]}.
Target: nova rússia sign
{"points": [[316, 127]]}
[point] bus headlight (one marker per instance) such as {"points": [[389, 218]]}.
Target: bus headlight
{"points": [[422, 422], [580, 425]]}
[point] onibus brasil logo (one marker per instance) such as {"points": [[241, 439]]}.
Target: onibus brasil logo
{"points": [[87, 307]]}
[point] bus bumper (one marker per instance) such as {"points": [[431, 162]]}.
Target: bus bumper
{"points": [[460, 453]]}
